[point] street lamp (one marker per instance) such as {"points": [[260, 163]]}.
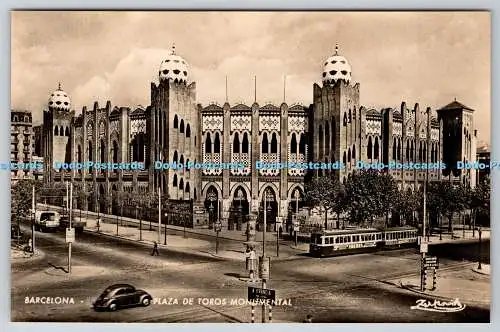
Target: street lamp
{"points": [[211, 213], [166, 223]]}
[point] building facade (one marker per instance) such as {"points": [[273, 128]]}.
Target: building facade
{"points": [[175, 129], [22, 140]]}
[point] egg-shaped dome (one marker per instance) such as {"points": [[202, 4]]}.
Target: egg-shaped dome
{"points": [[174, 68], [60, 100], [336, 68]]}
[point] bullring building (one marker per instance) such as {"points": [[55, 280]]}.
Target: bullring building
{"points": [[175, 128]]}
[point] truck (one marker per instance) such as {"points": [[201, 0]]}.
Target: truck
{"points": [[47, 220]]}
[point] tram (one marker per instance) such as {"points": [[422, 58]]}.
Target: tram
{"points": [[345, 242]]}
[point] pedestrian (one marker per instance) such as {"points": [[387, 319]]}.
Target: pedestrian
{"points": [[155, 249], [309, 319]]}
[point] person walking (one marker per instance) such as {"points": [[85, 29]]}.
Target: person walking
{"points": [[308, 319], [155, 249]]}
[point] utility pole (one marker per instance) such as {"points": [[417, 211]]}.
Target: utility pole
{"points": [[33, 216], [70, 225], [423, 244], [159, 215]]}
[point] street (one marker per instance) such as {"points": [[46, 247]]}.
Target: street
{"points": [[360, 288]]}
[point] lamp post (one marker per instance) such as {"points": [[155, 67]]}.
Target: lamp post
{"points": [[211, 213], [480, 232], [166, 223], [140, 222]]}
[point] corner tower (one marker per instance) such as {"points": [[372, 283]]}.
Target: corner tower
{"points": [[336, 116], [56, 142], [173, 126]]}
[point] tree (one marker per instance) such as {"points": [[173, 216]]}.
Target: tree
{"points": [[480, 200], [407, 203], [369, 194], [387, 194], [21, 198], [327, 194]]}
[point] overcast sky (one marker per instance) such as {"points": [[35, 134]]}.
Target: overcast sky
{"points": [[429, 58]]}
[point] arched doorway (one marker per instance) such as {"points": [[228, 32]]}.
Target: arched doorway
{"points": [[240, 209], [114, 197], [212, 205], [271, 210], [102, 200]]}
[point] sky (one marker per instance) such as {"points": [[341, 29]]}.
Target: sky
{"points": [[429, 58]]}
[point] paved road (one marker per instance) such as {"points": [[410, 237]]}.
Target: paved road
{"points": [[340, 289]]}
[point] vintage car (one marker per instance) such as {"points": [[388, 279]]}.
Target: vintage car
{"points": [[119, 296]]}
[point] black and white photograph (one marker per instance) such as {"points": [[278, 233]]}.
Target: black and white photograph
{"points": [[250, 166]]}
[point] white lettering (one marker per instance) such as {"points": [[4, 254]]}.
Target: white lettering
{"points": [[438, 306]]}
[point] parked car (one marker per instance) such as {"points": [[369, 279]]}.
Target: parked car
{"points": [[119, 296]]}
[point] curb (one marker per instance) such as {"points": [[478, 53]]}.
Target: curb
{"points": [[147, 243], [480, 272], [432, 296], [37, 256]]}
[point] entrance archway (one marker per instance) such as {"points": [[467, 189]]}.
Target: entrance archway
{"points": [[271, 210], [102, 200], [240, 209], [212, 205]]}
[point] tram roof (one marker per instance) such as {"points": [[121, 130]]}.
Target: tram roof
{"points": [[363, 230]]}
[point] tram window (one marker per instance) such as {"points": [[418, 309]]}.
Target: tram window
{"points": [[347, 239], [336, 240]]}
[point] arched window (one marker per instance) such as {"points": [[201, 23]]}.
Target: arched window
{"points": [[349, 155], [245, 146], [181, 184], [327, 137], [399, 148], [274, 144], [217, 143], [188, 131], [102, 152], [181, 161], [407, 150], [194, 193], [369, 148], [61, 131], [344, 159], [176, 156], [56, 131], [115, 152], [420, 157], [187, 187], [424, 153], [394, 149], [302, 144], [376, 149], [293, 144], [265, 144], [90, 155], [350, 116], [176, 121], [236, 143], [79, 154], [354, 152], [181, 129], [345, 119], [208, 144], [412, 152], [174, 182], [67, 131], [321, 139]]}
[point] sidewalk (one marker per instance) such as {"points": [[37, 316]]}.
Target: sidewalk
{"points": [[466, 285], [459, 236], [232, 251]]}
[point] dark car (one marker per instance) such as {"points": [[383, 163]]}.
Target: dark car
{"points": [[122, 296]]}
